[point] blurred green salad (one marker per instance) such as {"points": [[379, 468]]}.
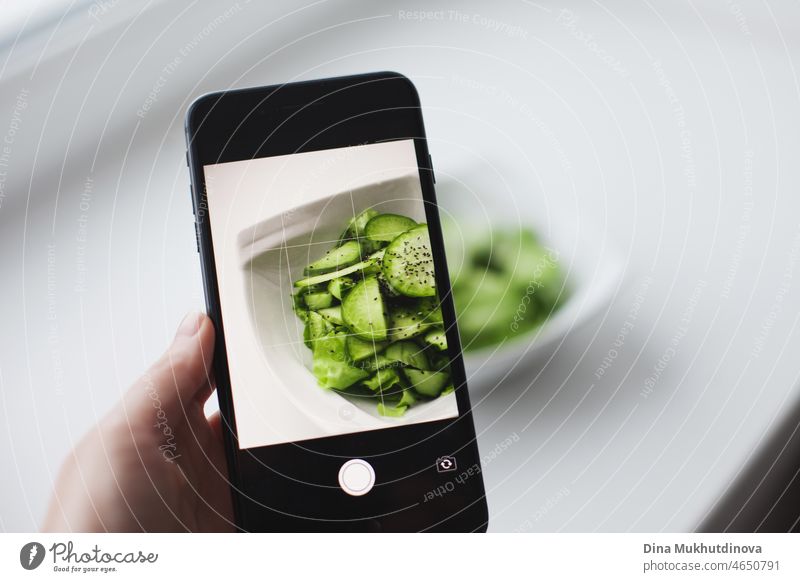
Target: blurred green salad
{"points": [[371, 316], [505, 283]]}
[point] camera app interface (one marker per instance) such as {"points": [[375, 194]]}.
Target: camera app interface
{"points": [[328, 294]]}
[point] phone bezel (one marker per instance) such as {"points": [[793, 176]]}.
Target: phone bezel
{"points": [[230, 126]]}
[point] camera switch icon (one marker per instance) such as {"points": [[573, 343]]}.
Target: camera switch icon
{"points": [[445, 464]]}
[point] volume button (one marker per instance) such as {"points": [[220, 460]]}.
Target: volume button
{"points": [[197, 237]]}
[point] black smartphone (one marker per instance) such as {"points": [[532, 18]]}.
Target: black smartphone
{"points": [[337, 361]]}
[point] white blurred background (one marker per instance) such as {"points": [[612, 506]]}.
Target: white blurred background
{"points": [[669, 131]]}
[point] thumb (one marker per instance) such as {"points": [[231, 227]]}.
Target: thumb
{"points": [[180, 376]]}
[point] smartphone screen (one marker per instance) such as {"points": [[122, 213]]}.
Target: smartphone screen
{"points": [[338, 362], [327, 289]]}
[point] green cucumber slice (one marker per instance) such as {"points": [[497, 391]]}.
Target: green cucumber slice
{"points": [[432, 311], [338, 286], [427, 383], [331, 367], [409, 320], [368, 266], [439, 361], [387, 408], [316, 328], [359, 349], [335, 259], [386, 227], [436, 338], [387, 289], [319, 300], [363, 310], [486, 302], [382, 380], [521, 257], [408, 263], [376, 362], [332, 314], [408, 353], [355, 228], [407, 399]]}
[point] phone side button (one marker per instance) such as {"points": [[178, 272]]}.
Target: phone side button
{"points": [[430, 165], [356, 477], [197, 237]]}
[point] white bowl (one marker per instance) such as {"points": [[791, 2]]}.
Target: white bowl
{"points": [[592, 271], [592, 278], [273, 254]]}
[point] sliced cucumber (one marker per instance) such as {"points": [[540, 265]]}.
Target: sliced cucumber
{"points": [[408, 263], [363, 311], [319, 300], [359, 349], [407, 399], [371, 315], [436, 338], [438, 360], [427, 383], [332, 314], [486, 303], [404, 325], [370, 265], [387, 289], [330, 363], [335, 259], [382, 380], [408, 353], [355, 228], [339, 285], [386, 227], [432, 311], [409, 320], [386, 409], [316, 328], [376, 362]]}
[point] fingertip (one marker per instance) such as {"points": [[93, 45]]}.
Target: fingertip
{"points": [[194, 324], [189, 325], [205, 331], [192, 353], [185, 368], [215, 423]]}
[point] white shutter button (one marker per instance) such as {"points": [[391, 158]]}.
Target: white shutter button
{"points": [[356, 477]]}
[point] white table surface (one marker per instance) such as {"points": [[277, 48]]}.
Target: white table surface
{"points": [[671, 128]]}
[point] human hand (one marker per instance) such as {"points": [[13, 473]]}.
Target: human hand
{"points": [[155, 462]]}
